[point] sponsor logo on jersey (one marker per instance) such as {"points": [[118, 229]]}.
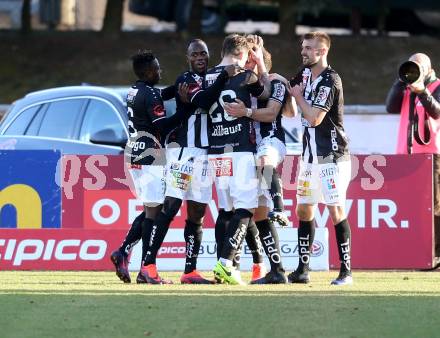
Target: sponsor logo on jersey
{"points": [[333, 136], [210, 78], [159, 110], [322, 96], [131, 94], [193, 88], [279, 91], [222, 166], [221, 131]]}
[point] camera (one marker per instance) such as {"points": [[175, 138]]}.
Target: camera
{"points": [[410, 72]]}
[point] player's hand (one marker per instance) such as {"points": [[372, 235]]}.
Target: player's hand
{"points": [[276, 76], [233, 70], [256, 54], [236, 109], [183, 90], [296, 91], [251, 77]]}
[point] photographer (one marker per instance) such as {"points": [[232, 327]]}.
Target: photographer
{"points": [[416, 97]]}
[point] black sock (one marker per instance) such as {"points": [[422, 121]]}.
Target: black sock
{"points": [[272, 182], [237, 258], [221, 224], [271, 244], [306, 235], [235, 233], [276, 191], [147, 226], [193, 238], [254, 243], [343, 239], [160, 227], [133, 235], [158, 232]]}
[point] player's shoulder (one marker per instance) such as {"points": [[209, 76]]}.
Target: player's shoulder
{"points": [[215, 70], [189, 77], [331, 75]]}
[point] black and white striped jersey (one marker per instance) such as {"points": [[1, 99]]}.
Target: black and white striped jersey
{"points": [[272, 129], [228, 133], [145, 110], [193, 129], [326, 142]]}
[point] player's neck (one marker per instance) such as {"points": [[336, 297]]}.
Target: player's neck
{"points": [[318, 68], [228, 60]]}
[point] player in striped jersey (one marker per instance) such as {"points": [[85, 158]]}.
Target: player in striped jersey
{"points": [[325, 168], [270, 153], [187, 165]]}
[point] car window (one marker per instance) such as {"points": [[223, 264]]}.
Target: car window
{"points": [[60, 118], [21, 122], [99, 116]]}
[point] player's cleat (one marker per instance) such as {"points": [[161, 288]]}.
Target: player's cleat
{"points": [[227, 275], [299, 277], [278, 216], [149, 275], [194, 277], [272, 277], [344, 278], [120, 262], [258, 271]]}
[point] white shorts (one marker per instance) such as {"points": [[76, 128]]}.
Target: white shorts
{"points": [[275, 150], [323, 183], [187, 176], [149, 182], [235, 178]]}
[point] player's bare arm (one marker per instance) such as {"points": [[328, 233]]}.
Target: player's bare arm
{"points": [[268, 114]]}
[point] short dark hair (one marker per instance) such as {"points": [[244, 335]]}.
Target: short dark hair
{"points": [[320, 36], [234, 44], [196, 41], [141, 62]]}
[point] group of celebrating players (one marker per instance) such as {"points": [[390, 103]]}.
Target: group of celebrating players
{"points": [[227, 132]]}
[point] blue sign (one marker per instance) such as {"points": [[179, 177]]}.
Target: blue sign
{"points": [[29, 195]]}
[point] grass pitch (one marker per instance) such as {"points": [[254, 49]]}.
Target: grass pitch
{"points": [[97, 304]]}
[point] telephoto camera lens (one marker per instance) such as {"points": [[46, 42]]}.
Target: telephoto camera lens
{"points": [[409, 72]]}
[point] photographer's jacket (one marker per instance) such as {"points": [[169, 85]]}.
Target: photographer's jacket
{"points": [[422, 134]]}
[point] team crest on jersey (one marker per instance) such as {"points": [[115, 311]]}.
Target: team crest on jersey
{"points": [[159, 110], [322, 96]]}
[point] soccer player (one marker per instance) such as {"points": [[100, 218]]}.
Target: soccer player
{"points": [[187, 166], [325, 167], [271, 150], [144, 153], [231, 155]]}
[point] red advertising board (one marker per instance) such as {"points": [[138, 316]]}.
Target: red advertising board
{"points": [[389, 205], [58, 249]]}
